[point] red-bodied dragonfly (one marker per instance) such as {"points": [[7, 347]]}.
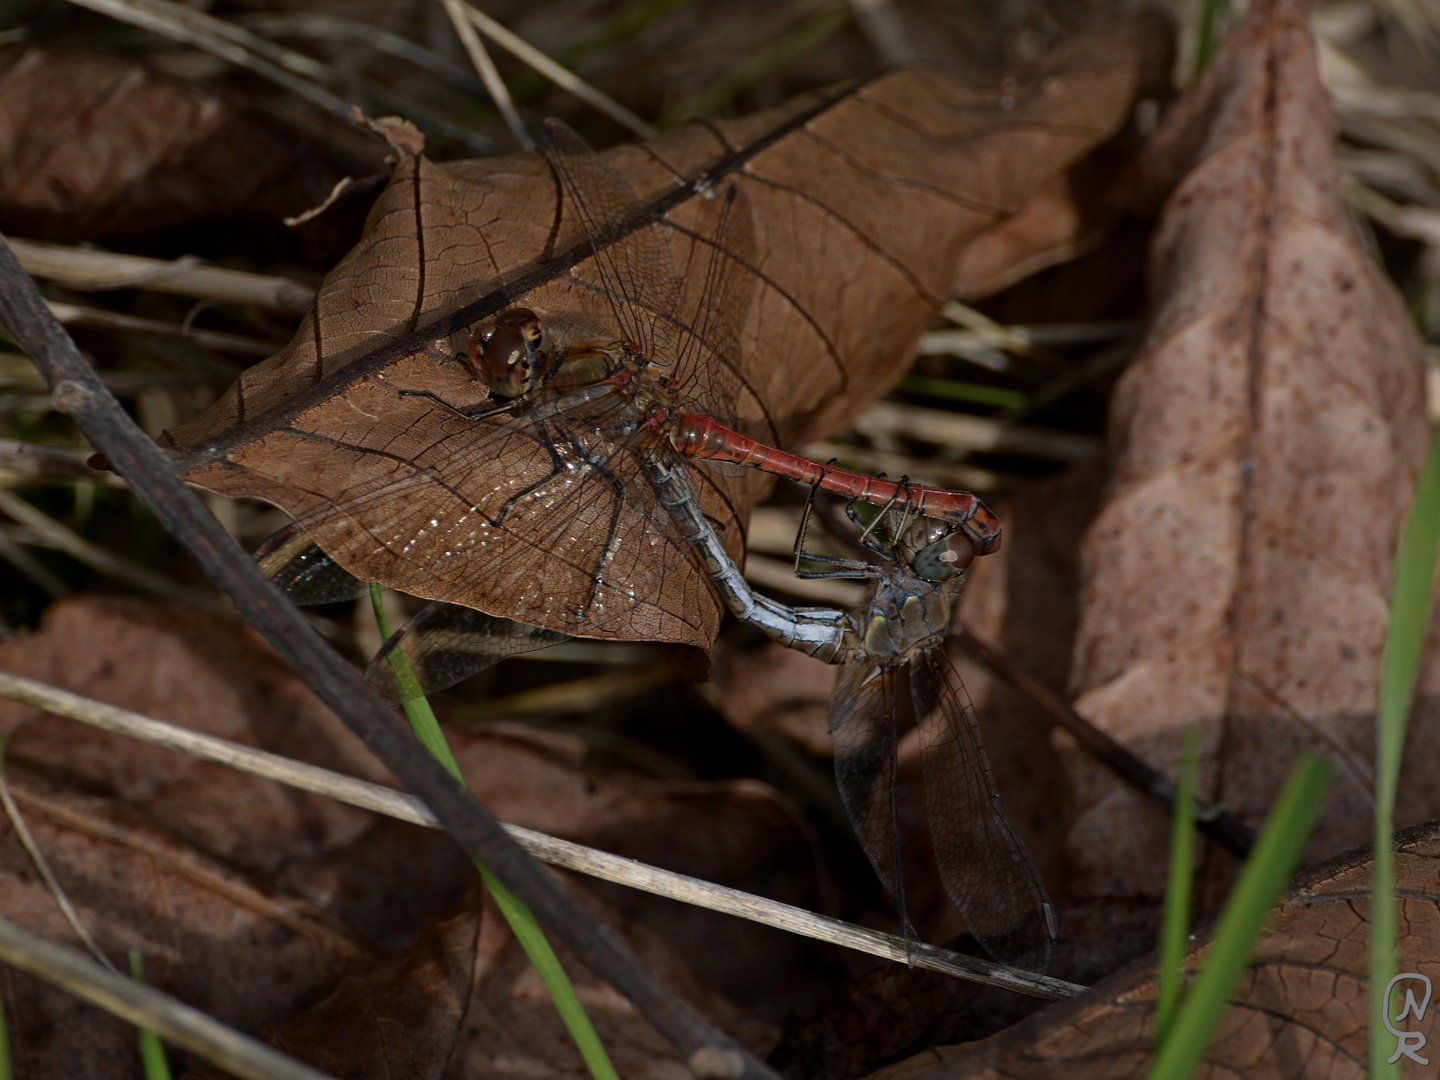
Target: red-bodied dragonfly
{"points": [[896, 675], [573, 533]]}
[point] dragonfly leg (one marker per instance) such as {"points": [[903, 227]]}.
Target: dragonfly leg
{"points": [[475, 414], [844, 568]]}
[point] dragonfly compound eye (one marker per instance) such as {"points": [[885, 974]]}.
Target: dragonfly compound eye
{"points": [[503, 353], [944, 559]]}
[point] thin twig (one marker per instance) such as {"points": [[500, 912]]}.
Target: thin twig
{"points": [[1000, 335], [885, 29], [79, 315], [353, 32], [124, 570], [87, 269], [194, 28], [572, 856], [42, 865], [560, 76], [142, 1005], [1214, 821], [153, 478], [975, 432], [488, 72]]}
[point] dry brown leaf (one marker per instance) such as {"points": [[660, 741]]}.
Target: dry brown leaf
{"points": [[778, 691], [1299, 1012], [99, 149], [203, 672], [464, 1001], [207, 935], [1264, 445], [1066, 218], [858, 217]]}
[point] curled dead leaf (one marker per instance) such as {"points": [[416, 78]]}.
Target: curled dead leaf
{"points": [[860, 206], [100, 149], [1263, 449]]}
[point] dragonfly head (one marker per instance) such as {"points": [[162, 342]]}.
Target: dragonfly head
{"points": [[505, 352], [935, 552]]}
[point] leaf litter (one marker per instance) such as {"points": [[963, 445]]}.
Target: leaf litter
{"points": [[366, 883]]}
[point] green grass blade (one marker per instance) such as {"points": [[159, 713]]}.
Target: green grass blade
{"points": [[1412, 591], [1176, 926], [1208, 34], [522, 921], [7, 1071], [1265, 875], [955, 390], [152, 1053]]}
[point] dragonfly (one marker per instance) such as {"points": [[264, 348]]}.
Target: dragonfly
{"points": [[896, 675], [584, 400]]}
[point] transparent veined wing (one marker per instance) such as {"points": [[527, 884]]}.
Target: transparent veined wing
{"points": [[445, 643], [985, 867], [862, 728]]}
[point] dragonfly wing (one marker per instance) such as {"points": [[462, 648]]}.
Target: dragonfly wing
{"points": [[862, 726], [304, 573], [983, 863], [636, 271], [537, 520], [688, 316], [444, 644]]}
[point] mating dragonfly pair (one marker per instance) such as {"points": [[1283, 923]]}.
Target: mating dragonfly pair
{"points": [[649, 404]]}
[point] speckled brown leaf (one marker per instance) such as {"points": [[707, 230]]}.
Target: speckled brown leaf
{"points": [[1299, 1011], [203, 672], [1263, 449], [100, 149], [208, 935], [464, 1001], [854, 218]]}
